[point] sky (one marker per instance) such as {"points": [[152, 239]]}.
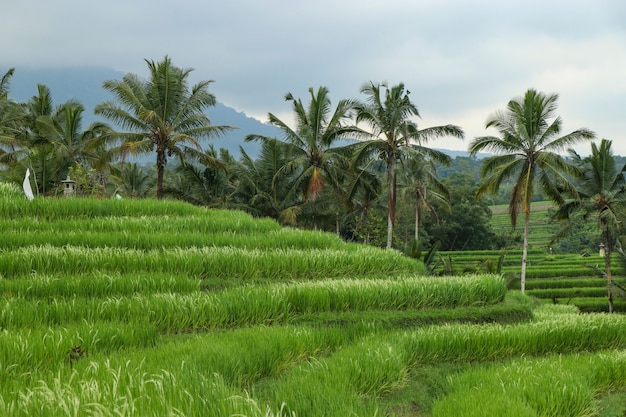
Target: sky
{"points": [[462, 60]]}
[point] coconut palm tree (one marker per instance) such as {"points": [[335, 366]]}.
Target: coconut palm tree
{"points": [[527, 151], [131, 180], [62, 132], [394, 134], [161, 115], [261, 190], [601, 191], [11, 122], [48, 139], [211, 182], [318, 127], [419, 184]]}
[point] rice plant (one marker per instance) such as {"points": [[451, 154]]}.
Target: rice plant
{"points": [[95, 284], [252, 305], [380, 364], [223, 262], [555, 386]]}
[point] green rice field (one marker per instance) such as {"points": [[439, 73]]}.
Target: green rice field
{"points": [[551, 277], [159, 308]]}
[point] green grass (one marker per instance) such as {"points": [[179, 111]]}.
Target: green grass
{"points": [[160, 308]]}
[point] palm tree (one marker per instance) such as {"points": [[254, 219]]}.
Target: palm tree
{"points": [[419, 183], [261, 190], [601, 191], [11, 122], [131, 180], [394, 135], [161, 114], [210, 183], [527, 151], [318, 127], [62, 132], [4, 82]]}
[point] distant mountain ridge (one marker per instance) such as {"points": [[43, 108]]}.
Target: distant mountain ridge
{"points": [[85, 85]]}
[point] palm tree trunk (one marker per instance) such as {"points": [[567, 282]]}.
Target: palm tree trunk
{"points": [[391, 198], [607, 266], [417, 223], [160, 165], [525, 250]]}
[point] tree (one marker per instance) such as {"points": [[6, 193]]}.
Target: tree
{"points": [[131, 180], [264, 193], [419, 183], [464, 224], [161, 114], [318, 127], [12, 116], [394, 134], [601, 193], [527, 151], [63, 134], [50, 139], [210, 183]]}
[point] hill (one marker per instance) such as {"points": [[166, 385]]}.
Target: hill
{"points": [[152, 308], [85, 85]]}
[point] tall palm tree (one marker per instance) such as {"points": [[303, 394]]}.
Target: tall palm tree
{"points": [[527, 150], [419, 183], [4, 82], [209, 183], [131, 180], [260, 189], [62, 132], [161, 114], [311, 142], [36, 135], [12, 116], [394, 134], [601, 194]]}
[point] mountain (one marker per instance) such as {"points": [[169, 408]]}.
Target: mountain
{"points": [[85, 85]]}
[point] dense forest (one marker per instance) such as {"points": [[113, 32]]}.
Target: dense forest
{"points": [[361, 168]]}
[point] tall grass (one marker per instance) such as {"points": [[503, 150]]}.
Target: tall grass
{"points": [[552, 386], [53, 208], [380, 364], [223, 262], [197, 221], [49, 349], [171, 312], [128, 390], [172, 237], [96, 284], [11, 191]]}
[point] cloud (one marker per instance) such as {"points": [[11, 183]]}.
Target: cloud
{"points": [[461, 60]]}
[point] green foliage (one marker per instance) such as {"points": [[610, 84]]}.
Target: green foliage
{"points": [[466, 225], [552, 386], [87, 184], [10, 191], [164, 114]]}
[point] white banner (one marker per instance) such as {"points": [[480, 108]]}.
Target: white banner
{"points": [[27, 189]]}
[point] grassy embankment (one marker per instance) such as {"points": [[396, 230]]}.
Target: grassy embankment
{"points": [[552, 277], [147, 308]]}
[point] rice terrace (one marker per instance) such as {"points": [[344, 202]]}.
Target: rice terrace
{"points": [[161, 308]]}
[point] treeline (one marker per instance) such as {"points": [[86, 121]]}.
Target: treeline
{"points": [[359, 167]]}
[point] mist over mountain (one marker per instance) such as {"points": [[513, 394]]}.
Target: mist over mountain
{"points": [[85, 85]]}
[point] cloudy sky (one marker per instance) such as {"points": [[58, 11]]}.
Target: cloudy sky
{"points": [[461, 59]]}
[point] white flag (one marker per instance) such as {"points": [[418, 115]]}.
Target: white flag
{"points": [[27, 189]]}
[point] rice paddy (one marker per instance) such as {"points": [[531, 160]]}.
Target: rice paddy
{"points": [[157, 308]]}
